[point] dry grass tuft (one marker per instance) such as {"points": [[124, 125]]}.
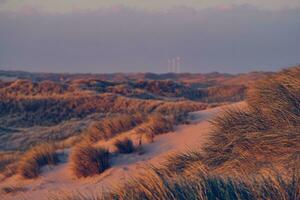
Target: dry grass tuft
{"points": [[155, 125], [37, 157], [87, 160], [181, 161], [253, 153], [124, 145], [8, 163], [111, 126], [199, 185], [278, 98], [264, 134], [11, 189]]}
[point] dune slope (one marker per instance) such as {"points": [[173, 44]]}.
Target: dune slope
{"points": [[59, 179]]}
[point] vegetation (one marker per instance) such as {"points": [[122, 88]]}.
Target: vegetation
{"points": [[87, 160], [266, 134], [202, 186], [155, 125], [39, 156], [124, 145], [10, 189], [8, 164], [253, 153], [198, 185], [111, 126]]}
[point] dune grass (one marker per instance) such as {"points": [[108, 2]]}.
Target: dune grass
{"points": [[8, 164], [111, 126], [86, 160], [124, 146], [265, 134], [155, 125], [196, 184], [37, 157], [253, 153]]}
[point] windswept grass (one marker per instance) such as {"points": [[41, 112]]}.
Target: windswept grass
{"points": [[8, 164], [179, 162], [111, 126], [87, 160], [154, 184], [10, 189], [155, 125], [265, 134], [278, 98], [124, 145], [253, 153], [37, 157]]}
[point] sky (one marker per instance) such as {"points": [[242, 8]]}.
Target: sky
{"points": [[100, 36]]}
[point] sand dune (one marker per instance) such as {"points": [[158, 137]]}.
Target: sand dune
{"points": [[59, 179]]}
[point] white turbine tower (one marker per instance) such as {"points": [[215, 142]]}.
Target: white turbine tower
{"points": [[174, 65], [178, 64]]}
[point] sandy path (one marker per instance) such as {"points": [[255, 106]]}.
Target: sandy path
{"points": [[59, 178]]}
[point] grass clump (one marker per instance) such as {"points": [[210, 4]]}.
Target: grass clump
{"points": [[156, 124], [37, 157], [124, 145], [253, 152], [200, 185], [263, 134], [9, 163], [154, 184], [87, 160], [11, 189], [111, 126], [277, 98], [178, 162]]}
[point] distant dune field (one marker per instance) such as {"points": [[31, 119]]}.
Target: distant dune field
{"points": [[151, 139]]}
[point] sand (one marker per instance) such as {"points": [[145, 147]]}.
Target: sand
{"points": [[59, 179]]}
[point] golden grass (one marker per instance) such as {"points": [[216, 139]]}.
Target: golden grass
{"points": [[11, 189], [278, 98], [8, 164], [124, 145], [86, 160], [252, 153], [155, 125], [265, 134], [155, 184], [32, 161], [111, 126]]}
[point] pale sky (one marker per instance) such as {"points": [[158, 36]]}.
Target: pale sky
{"points": [[61, 6], [102, 36]]}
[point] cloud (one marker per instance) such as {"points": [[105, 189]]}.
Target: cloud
{"points": [[124, 39]]}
